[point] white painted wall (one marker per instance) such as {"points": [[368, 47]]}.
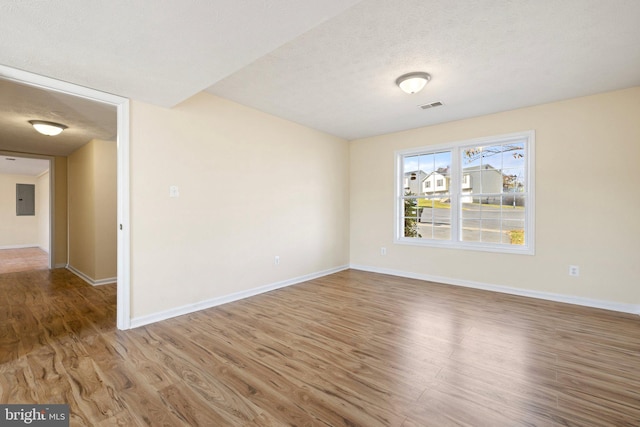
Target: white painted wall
{"points": [[252, 186], [587, 201], [42, 210], [16, 231]]}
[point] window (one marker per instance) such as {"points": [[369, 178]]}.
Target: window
{"points": [[483, 197], [466, 181]]}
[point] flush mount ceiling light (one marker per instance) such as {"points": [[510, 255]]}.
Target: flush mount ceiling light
{"points": [[47, 128], [413, 82]]}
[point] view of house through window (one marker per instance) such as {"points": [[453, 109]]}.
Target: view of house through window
{"points": [[475, 194], [426, 198]]}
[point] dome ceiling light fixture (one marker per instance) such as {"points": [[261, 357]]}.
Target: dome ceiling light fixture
{"points": [[47, 128], [413, 82]]}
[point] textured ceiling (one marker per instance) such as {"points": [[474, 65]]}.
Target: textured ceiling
{"points": [[85, 119], [331, 64], [12, 165], [157, 51], [484, 56]]}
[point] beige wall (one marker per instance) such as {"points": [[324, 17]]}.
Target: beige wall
{"points": [[81, 210], [16, 231], [587, 201], [60, 217], [92, 209], [42, 210], [106, 201], [252, 186]]}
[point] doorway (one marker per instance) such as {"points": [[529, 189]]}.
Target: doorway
{"points": [[122, 137], [26, 240]]}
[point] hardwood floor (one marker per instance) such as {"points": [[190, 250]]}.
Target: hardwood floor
{"points": [[350, 349], [25, 259]]}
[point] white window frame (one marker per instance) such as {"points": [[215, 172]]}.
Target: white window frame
{"points": [[455, 192]]}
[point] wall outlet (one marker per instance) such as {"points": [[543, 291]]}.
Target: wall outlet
{"points": [[174, 191], [574, 270], [383, 251], [276, 260]]}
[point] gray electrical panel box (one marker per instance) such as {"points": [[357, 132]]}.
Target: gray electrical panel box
{"points": [[25, 199]]}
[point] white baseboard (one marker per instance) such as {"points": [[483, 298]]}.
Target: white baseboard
{"points": [[88, 279], [33, 245], [190, 308], [569, 299], [63, 265]]}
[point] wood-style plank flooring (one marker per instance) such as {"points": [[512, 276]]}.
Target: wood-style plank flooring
{"points": [[24, 259], [350, 349]]}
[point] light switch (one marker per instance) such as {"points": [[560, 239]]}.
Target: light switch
{"points": [[174, 191]]}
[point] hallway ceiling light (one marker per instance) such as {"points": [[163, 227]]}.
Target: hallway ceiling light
{"points": [[413, 82], [47, 128]]}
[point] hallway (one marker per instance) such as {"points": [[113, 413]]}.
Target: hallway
{"points": [[25, 259]]}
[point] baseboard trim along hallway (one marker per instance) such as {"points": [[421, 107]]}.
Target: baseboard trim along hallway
{"points": [[90, 280]]}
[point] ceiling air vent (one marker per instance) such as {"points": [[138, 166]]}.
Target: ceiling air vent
{"points": [[431, 105]]}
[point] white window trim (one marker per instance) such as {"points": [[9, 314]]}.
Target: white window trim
{"points": [[456, 148]]}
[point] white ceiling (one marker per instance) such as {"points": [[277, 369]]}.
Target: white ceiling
{"points": [[12, 165], [86, 120], [484, 56], [331, 64], [157, 51]]}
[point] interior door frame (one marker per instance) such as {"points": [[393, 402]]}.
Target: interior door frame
{"points": [[122, 107]]}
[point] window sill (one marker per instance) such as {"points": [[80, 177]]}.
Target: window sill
{"points": [[482, 247]]}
